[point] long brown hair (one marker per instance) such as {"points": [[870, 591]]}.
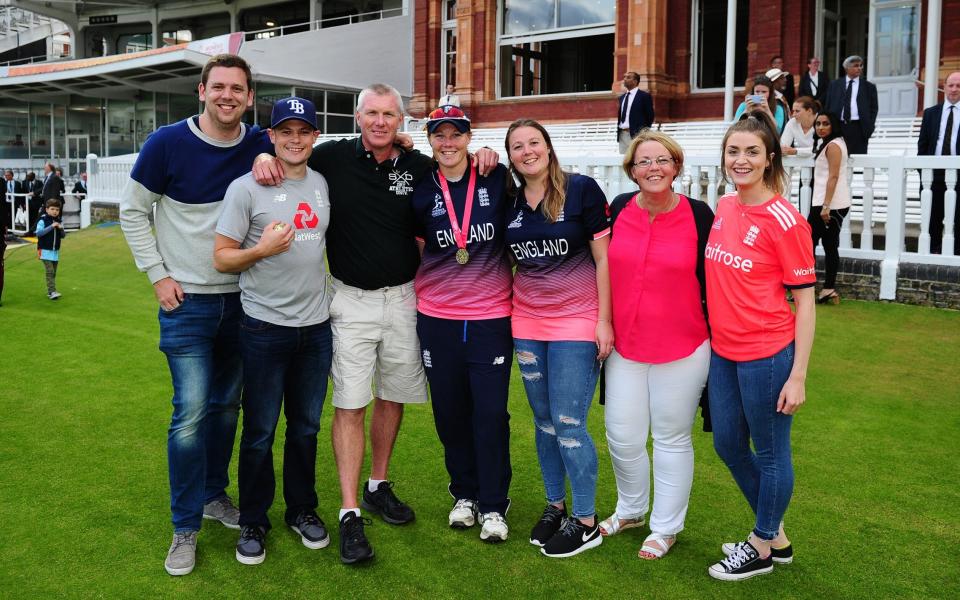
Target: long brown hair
{"points": [[761, 125], [555, 194]]}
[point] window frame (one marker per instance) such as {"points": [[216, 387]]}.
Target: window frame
{"points": [[695, 53], [559, 33]]}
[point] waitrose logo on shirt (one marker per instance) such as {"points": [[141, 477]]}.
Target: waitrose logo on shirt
{"points": [[716, 253]]}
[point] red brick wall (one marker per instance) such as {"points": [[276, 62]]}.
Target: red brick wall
{"points": [[556, 109]]}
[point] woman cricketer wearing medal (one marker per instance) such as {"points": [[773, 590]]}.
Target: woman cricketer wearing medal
{"points": [[558, 234], [463, 290]]}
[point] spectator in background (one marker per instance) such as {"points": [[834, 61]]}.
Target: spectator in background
{"points": [[635, 110], [831, 199], [938, 137], [814, 82], [759, 96], [797, 137], [52, 183], [450, 98], [50, 233], [33, 204], [779, 82], [854, 100], [80, 187], [787, 88]]}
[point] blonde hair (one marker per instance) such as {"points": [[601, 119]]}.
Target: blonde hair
{"points": [[649, 135], [555, 194]]}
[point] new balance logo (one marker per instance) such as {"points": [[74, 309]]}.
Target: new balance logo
{"points": [[295, 106], [498, 360]]}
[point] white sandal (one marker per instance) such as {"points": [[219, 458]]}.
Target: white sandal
{"points": [[611, 525], [656, 545]]}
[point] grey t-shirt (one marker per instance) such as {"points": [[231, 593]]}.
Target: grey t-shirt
{"points": [[289, 288]]}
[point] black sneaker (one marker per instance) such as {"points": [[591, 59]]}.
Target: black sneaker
{"points": [[250, 548], [572, 539], [313, 533], [549, 524], [743, 563], [386, 503], [354, 546], [782, 556]]}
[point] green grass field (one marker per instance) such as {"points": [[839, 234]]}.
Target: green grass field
{"points": [[85, 404]]}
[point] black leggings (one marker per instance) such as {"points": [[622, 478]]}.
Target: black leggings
{"points": [[830, 236]]}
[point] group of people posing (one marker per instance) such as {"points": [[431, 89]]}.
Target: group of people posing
{"points": [[441, 269]]}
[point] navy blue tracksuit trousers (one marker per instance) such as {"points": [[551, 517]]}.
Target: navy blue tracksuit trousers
{"points": [[468, 366]]}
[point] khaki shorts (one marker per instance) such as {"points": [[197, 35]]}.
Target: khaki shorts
{"points": [[375, 346]]}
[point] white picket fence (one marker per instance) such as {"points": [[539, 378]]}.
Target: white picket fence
{"points": [[891, 199]]}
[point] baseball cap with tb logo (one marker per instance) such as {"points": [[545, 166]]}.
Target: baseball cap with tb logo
{"points": [[293, 108]]}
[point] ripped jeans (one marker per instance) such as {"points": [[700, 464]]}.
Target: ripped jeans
{"points": [[560, 379]]}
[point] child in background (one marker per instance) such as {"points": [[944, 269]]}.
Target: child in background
{"points": [[49, 234]]}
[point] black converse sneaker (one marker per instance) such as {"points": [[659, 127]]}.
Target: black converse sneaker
{"points": [[781, 556], [250, 548], [549, 524], [743, 563], [573, 538], [313, 532]]}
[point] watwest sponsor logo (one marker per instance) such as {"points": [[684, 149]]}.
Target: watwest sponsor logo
{"points": [[716, 253], [536, 249]]}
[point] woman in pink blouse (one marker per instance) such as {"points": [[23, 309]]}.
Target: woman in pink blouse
{"points": [[657, 371]]}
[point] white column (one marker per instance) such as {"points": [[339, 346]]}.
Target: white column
{"points": [[932, 66], [731, 60], [871, 56]]}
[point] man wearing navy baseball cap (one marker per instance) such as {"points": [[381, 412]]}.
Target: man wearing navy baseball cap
{"points": [[275, 238]]}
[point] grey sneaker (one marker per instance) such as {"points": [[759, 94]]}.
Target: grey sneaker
{"points": [[223, 510], [182, 555], [55, 295]]}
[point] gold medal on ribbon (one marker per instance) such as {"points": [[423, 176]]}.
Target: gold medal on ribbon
{"points": [[462, 256], [460, 230]]}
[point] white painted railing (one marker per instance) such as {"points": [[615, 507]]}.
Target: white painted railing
{"points": [[891, 199]]}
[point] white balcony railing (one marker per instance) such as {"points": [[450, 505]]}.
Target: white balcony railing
{"points": [[890, 212]]}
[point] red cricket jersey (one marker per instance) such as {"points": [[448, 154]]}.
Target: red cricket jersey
{"points": [[753, 253]]}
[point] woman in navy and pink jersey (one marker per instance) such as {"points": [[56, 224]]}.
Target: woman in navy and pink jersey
{"points": [[557, 234], [759, 247], [463, 321], [656, 373]]}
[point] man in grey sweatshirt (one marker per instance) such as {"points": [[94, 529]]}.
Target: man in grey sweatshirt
{"points": [[181, 176]]}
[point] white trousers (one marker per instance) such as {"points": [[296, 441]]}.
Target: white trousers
{"points": [[662, 399]]}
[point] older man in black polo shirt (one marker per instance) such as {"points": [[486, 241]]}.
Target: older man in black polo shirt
{"points": [[373, 258]]}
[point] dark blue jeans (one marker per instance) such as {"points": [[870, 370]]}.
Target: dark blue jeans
{"points": [[468, 366], [560, 379], [288, 367], [201, 340], [743, 407]]}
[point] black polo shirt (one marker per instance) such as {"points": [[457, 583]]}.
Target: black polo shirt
{"points": [[370, 240]]}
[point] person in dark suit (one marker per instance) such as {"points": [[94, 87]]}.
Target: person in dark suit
{"points": [[34, 187], [788, 88], [938, 137], [854, 100], [52, 184], [634, 110], [80, 187], [12, 187], [814, 82]]}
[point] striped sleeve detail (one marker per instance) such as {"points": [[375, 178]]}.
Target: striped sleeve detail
{"points": [[601, 234], [783, 215]]}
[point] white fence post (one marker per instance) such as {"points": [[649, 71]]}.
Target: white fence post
{"points": [[894, 229], [866, 233], [926, 200], [93, 181], [949, 212]]}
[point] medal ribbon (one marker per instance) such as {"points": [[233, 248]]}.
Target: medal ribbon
{"points": [[459, 234]]}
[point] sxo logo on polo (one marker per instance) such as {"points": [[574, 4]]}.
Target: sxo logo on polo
{"points": [[717, 254], [305, 217], [295, 106]]}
